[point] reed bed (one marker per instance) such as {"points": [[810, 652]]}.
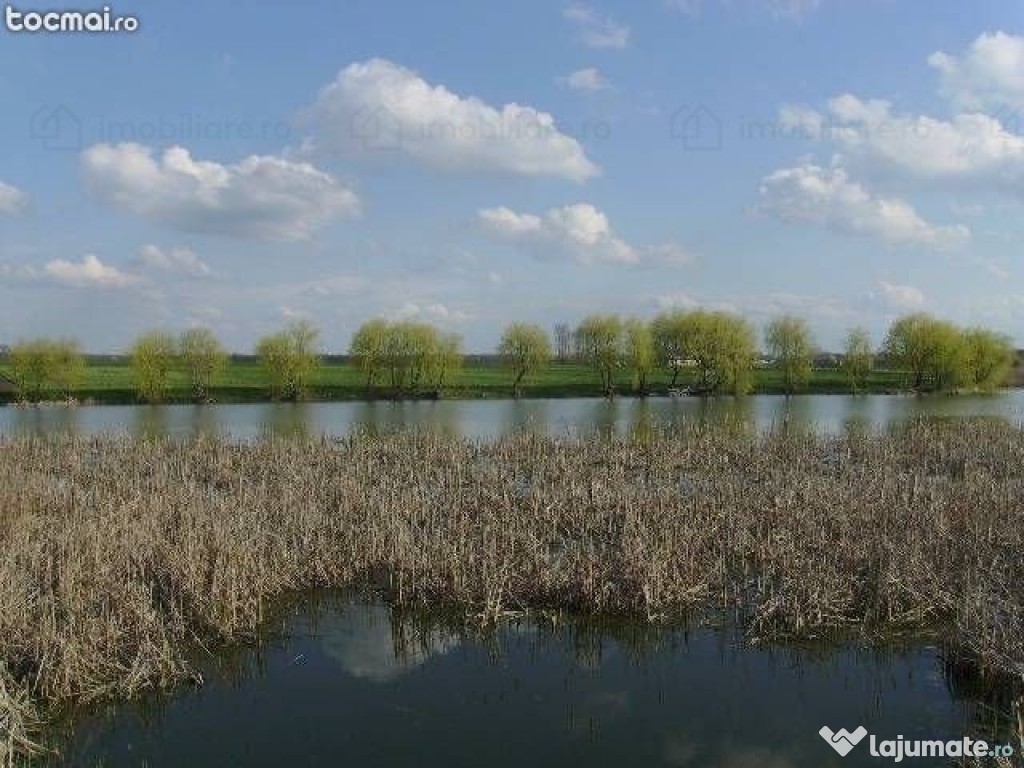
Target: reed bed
{"points": [[117, 556]]}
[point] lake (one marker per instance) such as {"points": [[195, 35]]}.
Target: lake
{"points": [[354, 683], [491, 418]]}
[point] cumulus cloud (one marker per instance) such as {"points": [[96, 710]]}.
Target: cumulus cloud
{"points": [[899, 298], [12, 200], [970, 149], [582, 231], [377, 105], [595, 29], [827, 197], [988, 75], [177, 261], [261, 197], [90, 272], [588, 79], [433, 312]]}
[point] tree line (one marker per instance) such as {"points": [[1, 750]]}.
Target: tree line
{"points": [[707, 352]]}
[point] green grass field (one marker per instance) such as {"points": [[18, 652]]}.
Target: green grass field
{"points": [[111, 382]]}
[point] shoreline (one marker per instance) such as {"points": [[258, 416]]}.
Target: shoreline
{"points": [[120, 398]]}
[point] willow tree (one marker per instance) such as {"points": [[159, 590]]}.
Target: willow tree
{"points": [[290, 359], [203, 358], [638, 351], [448, 358], [723, 347], [789, 342], [989, 357], [600, 342], [524, 348], [858, 359], [32, 364], [669, 337], [932, 353], [369, 348], [153, 357]]}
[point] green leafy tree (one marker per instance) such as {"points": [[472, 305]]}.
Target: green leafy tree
{"points": [[33, 364], [989, 357], [933, 353], [153, 358], [369, 348], [203, 358], [68, 366], [723, 347], [858, 359], [290, 359], [600, 341], [734, 350], [424, 348], [524, 348], [639, 351], [448, 358], [790, 344], [669, 336]]}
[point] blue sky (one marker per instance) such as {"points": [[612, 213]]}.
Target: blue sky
{"points": [[473, 163]]}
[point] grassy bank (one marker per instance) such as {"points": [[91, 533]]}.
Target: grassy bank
{"points": [[116, 555], [245, 381]]}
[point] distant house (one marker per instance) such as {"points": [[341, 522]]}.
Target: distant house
{"points": [[7, 387]]}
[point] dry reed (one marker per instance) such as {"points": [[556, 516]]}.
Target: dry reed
{"points": [[117, 555]]}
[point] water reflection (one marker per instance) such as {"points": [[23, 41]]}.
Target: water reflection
{"points": [[370, 646], [360, 684], [491, 418]]}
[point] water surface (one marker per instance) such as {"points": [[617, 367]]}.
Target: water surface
{"points": [[357, 684], [491, 418]]}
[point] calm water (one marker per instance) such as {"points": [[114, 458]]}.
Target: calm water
{"points": [[358, 685], [489, 418]]}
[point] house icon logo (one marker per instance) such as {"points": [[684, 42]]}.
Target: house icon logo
{"points": [[697, 127], [376, 129], [56, 127]]}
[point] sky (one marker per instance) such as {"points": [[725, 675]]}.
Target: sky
{"points": [[471, 163]]}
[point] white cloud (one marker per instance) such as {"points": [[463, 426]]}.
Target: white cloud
{"points": [[900, 298], [580, 230], [990, 74], [810, 193], [380, 106], [970, 149], [180, 261], [779, 8], [432, 312], [12, 200], [596, 30], [261, 197], [90, 272], [588, 79]]}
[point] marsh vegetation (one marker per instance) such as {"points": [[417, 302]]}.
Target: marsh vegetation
{"points": [[118, 555]]}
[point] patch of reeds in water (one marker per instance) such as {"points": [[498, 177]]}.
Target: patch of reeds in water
{"points": [[117, 555]]}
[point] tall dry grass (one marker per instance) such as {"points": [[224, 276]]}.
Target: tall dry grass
{"points": [[117, 555]]}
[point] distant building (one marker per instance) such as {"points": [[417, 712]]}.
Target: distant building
{"points": [[7, 387], [827, 360]]}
